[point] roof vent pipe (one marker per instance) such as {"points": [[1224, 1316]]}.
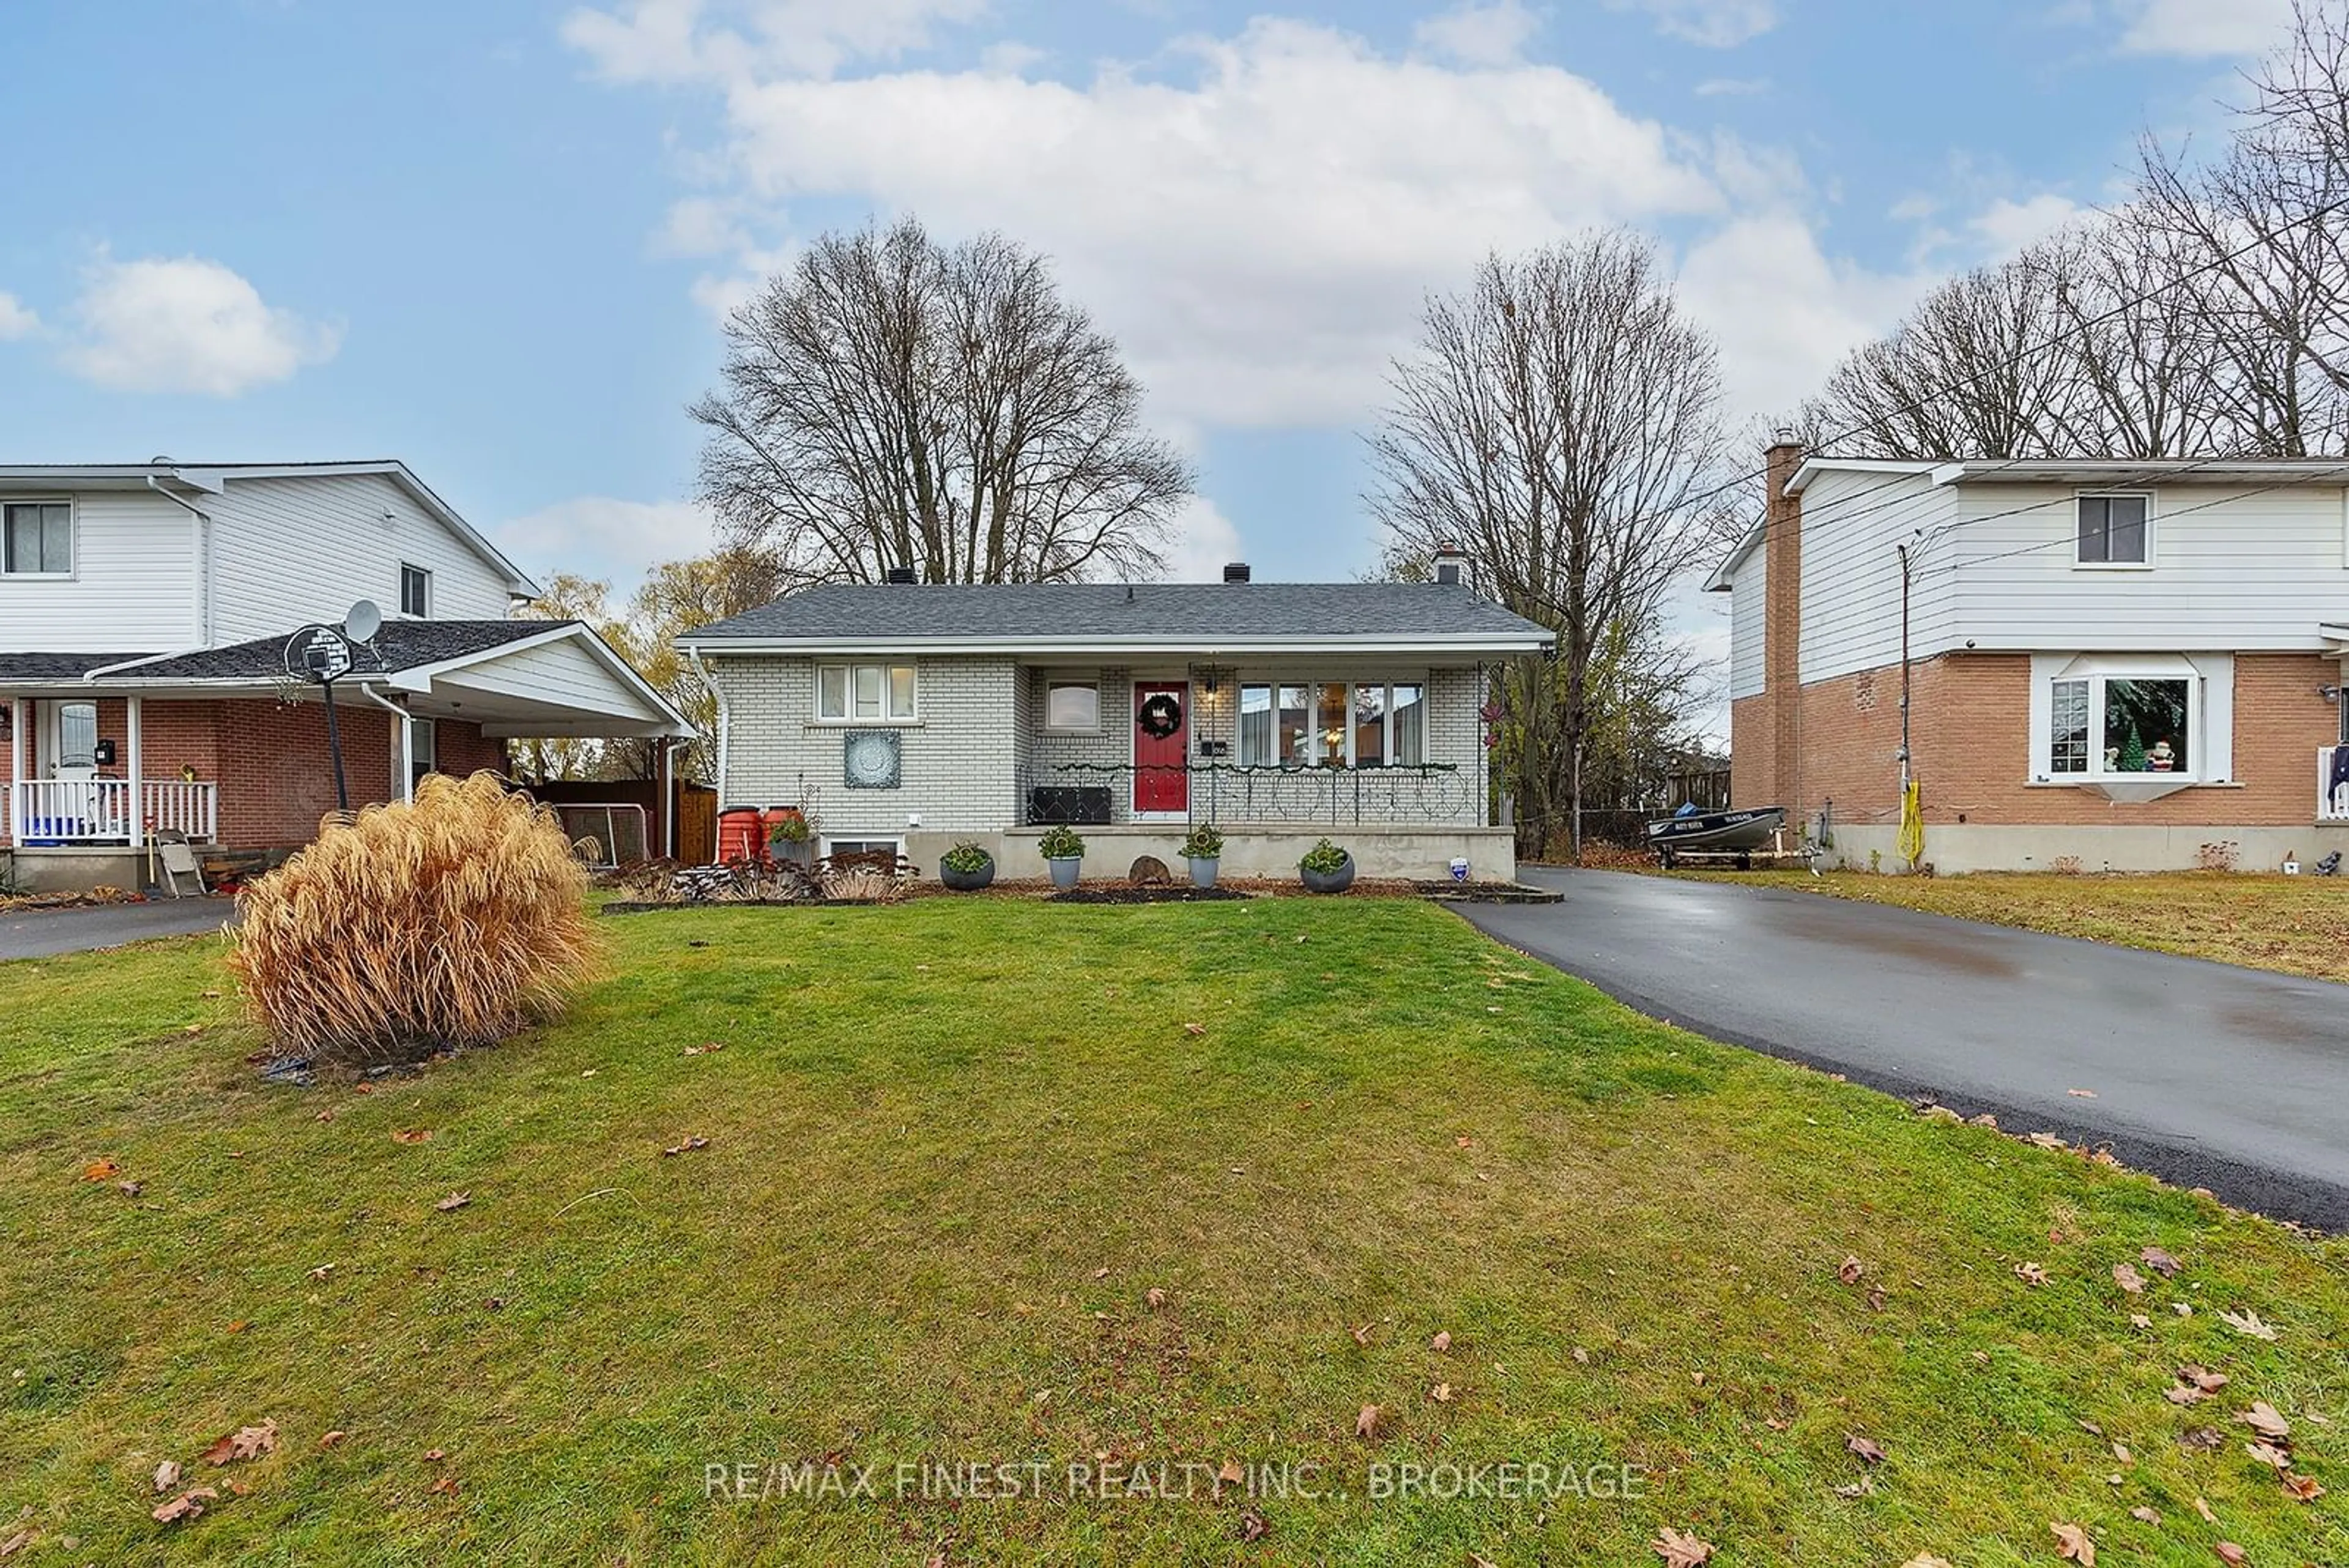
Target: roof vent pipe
{"points": [[1236, 571], [899, 575]]}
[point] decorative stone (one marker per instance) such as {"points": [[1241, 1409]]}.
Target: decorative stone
{"points": [[1148, 871]]}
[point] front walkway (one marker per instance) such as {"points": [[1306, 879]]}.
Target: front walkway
{"points": [[2206, 1074], [45, 933]]}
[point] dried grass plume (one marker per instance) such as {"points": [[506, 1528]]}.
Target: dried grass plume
{"points": [[456, 921]]}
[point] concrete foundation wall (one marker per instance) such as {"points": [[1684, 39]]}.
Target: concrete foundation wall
{"points": [[1419, 852], [75, 870], [1954, 849]]}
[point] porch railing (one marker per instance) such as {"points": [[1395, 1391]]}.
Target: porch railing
{"points": [[2333, 783], [1231, 792], [99, 811]]}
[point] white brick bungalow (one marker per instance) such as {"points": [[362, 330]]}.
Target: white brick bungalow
{"points": [[920, 715]]}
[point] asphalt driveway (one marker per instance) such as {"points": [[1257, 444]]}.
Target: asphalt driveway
{"points": [[45, 933], [2206, 1074]]}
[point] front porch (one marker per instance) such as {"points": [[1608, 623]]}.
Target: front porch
{"points": [[45, 814]]}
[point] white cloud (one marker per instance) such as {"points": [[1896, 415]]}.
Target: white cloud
{"points": [[2007, 226], [15, 320], [1731, 87], [186, 325], [1479, 35], [1258, 235], [687, 40], [1205, 541], [2199, 29], [1714, 23], [604, 536]]}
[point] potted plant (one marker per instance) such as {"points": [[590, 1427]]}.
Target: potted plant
{"points": [[967, 867], [1326, 869], [1203, 848], [787, 834], [1062, 851]]}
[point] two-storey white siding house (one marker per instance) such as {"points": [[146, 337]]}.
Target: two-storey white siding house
{"points": [[911, 717], [2106, 662], [144, 614]]}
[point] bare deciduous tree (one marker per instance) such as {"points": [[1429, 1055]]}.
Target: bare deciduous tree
{"points": [[894, 403], [1560, 421]]}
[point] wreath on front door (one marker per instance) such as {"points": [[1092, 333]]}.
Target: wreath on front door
{"points": [[1161, 715]]}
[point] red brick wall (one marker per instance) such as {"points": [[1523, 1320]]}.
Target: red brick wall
{"points": [[1970, 732], [464, 750]]}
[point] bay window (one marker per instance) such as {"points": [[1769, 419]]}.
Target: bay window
{"points": [[2150, 720], [1332, 724]]}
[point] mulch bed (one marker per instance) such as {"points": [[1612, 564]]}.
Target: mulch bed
{"points": [[1150, 895]]}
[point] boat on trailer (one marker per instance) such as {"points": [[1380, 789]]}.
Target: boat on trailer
{"points": [[1739, 836]]}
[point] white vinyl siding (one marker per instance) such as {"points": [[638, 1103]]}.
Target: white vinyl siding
{"points": [[290, 550], [1853, 524], [2232, 570], [563, 681], [1749, 611], [132, 588]]}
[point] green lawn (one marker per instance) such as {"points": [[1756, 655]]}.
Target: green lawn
{"points": [[2299, 925], [954, 1147]]}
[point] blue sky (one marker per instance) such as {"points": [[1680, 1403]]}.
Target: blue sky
{"points": [[495, 239]]}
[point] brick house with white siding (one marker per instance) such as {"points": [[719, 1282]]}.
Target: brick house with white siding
{"points": [[916, 716], [2108, 662], [145, 610]]}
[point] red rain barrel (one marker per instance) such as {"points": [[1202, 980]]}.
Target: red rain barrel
{"points": [[740, 837]]}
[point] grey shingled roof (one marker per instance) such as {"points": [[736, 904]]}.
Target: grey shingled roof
{"points": [[400, 644], [1178, 612], [32, 668]]}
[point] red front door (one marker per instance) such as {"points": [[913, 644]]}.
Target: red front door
{"points": [[1162, 742]]}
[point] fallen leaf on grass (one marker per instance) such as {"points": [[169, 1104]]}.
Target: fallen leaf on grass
{"points": [[2144, 1515], [2202, 1440], [244, 1443], [2121, 1452], [1875, 1299], [1361, 1333], [15, 1543], [1194, 1029], [2129, 1278], [1154, 1296], [2263, 1419], [1366, 1423], [2071, 1544], [705, 1049], [1927, 1560], [1231, 1474], [2159, 1261], [412, 1134], [100, 1170], [434, 1456], [325, 1115], [2138, 1319], [1867, 1448], [2031, 1274], [187, 1505], [1441, 1341], [2048, 1140], [2082, 1094], [453, 1202], [167, 1475], [2303, 1488], [686, 1147], [2203, 1508], [2248, 1323], [1254, 1526], [1440, 1393], [1849, 1270], [1863, 1486], [2270, 1455], [321, 1270], [1679, 1549], [2228, 1552], [130, 1189], [446, 1485], [331, 1439]]}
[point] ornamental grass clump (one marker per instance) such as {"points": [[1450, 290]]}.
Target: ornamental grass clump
{"points": [[453, 922]]}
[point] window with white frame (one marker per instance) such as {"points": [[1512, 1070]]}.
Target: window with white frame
{"points": [[2113, 530], [864, 694], [36, 539], [2121, 726], [1332, 724], [1072, 707], [415, 591]]}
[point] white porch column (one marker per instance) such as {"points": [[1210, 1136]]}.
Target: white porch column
{"points": [[407, 756], [20, 714], [137, 777], [668, 800]]}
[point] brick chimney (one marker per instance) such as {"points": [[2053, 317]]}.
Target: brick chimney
{"points": [[1450, 563], [1782, 633]]}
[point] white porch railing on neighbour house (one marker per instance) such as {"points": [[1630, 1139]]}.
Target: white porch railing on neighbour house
{"points": [[2331, 799], [99, 811]]}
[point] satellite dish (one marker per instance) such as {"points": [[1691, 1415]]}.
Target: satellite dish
{"points": [[363, 621]]}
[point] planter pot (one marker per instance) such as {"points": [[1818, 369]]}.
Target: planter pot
{"points": [[1203, 870], [1064, 871], [967, 881], [1336, 881]]}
